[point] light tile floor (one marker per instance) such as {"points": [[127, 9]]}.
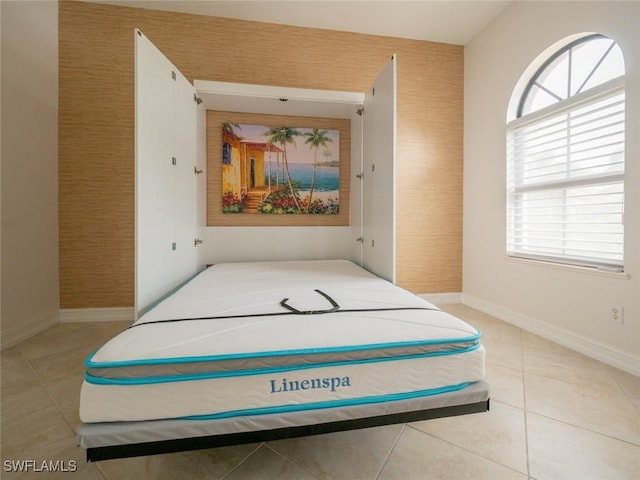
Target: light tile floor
{"points": [[555, 414]]}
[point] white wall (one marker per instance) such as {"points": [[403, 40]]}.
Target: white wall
{"points": [[29, 272], [245, 244], [560, 303]]}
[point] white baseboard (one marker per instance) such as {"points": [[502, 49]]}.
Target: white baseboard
{"points": [[442, 298], [604, 353], [113, 314], [24, 332]]}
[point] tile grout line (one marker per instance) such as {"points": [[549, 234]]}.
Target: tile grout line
{"points": [[584, 429], [55, 404], [524, 404], [241, 462], [610, 371], [292, 462], [468, 450], [574, 425], [269, 447], [103, 473], [44, 387], [578, 384], [391, 450], [46, 390]]}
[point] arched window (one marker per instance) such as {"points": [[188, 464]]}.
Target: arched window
{"points": [[565, 164]]}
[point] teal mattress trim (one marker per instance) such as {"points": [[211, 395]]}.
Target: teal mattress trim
{"points": [[261, 371], [89, 363], [331, 403]]}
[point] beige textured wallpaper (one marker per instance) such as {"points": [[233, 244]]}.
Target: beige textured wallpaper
{"points": [[96, 118]]}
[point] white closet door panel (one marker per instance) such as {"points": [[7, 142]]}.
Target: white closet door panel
{"points": [[201, 183], [154, 172], [379, 133], [356, 187], [185, 186]]}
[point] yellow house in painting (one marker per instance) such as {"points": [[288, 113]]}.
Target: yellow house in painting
{"points": [[247, 171]]}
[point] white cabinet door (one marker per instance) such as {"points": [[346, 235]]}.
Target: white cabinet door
{"points": [[166, 198], [201, 182], [185, 221], [153, 172], [356, 186], [379, 133]]}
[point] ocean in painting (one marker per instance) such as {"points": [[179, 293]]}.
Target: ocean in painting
{"points": [[327, 178]]}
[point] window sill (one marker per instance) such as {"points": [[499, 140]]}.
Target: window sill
{"points": [[569, 268]]}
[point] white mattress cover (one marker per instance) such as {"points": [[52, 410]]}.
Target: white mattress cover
{"points": [[266, 393], [256, 288], [92, 435]]}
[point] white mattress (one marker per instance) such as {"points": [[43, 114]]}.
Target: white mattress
{"points": [[107, 434], [224, 346]]}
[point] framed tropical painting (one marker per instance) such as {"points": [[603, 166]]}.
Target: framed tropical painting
{"points": [[274, 170]]}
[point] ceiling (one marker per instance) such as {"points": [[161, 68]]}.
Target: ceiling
{"points": [[451, 21]]}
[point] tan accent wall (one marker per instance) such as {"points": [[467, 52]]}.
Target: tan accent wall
{"points": [[96, 118]]}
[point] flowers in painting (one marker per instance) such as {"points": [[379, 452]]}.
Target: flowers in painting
{"points": [[283, 202], [265, 171], [231, 203]]}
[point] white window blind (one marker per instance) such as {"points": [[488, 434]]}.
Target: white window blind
{"points": [[565, 180]]}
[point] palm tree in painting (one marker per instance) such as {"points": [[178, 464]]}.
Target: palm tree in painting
{"points": [[283, 136], [315, 138], [227, 128]]}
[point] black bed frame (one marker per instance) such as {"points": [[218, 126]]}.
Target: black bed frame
{"points": [[198, 443]]}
